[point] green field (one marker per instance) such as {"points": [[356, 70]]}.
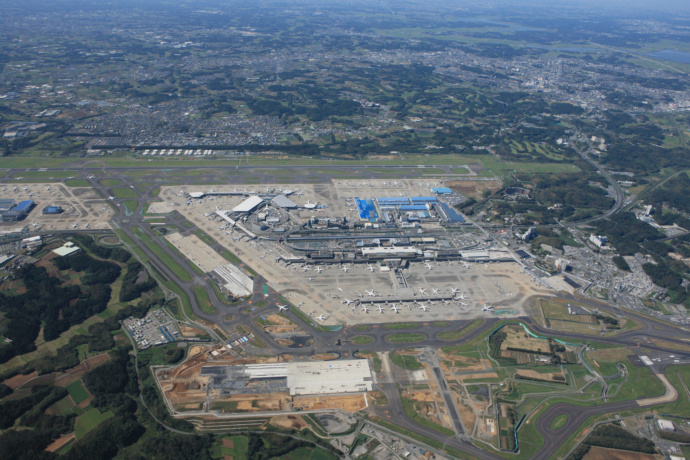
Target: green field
{"points": [[308, 453], [77, 391], [88, 421], [457, 335], [406, 361], [401, 326], [405, 338], [62, 407], [131, 205], [239, 448], [559, 421], [204, 302], [362, 340], [125, 193]]}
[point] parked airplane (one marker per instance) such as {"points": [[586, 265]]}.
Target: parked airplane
{"points": [[319, 269], [305, 268], [422, 290], [282, 307], [365, 309], [454, 290], [462, 297], [380, 309], [423, 307], [429, 266], [345, 269], [370, 293], [310, 279], [463, 304], [321, 318], [466, 265], [75, 225], [436, 291], [394, 308], [348, 301], [487, 308], [370, 267]]}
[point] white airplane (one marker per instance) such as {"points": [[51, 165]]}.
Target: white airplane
{"points": [[86, 226], [466, 265], [75, 225], [340, 289], [365, 309], [91, 177], [348, 301], [380, 309], [436, 291], [370, 293], [486, 266], [487, 308], [422, 291], [462, 297], [370, 267], [423, 307], [454, 290], [429, 266], [395, 309], [305, 268], [319, 269], [321, 318], [345, 269], [282, 307], [310, 279], [112, 198], [463, 304]]}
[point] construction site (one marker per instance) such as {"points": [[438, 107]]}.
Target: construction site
{"points": [[215, 381]]}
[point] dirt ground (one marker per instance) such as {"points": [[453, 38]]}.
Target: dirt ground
{"points": [[323, 356], [547, 377], [474, 189], [485, 375], [289, 422], [424, 396], [187, 331], [19, 380], [59, 442], [600, 453], [196, 349], [281, 329], [349, 403], [466, 414], [610, 354]]}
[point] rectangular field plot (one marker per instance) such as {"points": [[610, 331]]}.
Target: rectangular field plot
{"points": [[88, 421], [77, 391]]}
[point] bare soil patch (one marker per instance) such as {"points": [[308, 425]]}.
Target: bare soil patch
{"points": [[600, 453], [59, 442], [474, 189]]}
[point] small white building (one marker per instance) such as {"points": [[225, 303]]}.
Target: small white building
{"points": [[666, 425], [598, 240]]}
